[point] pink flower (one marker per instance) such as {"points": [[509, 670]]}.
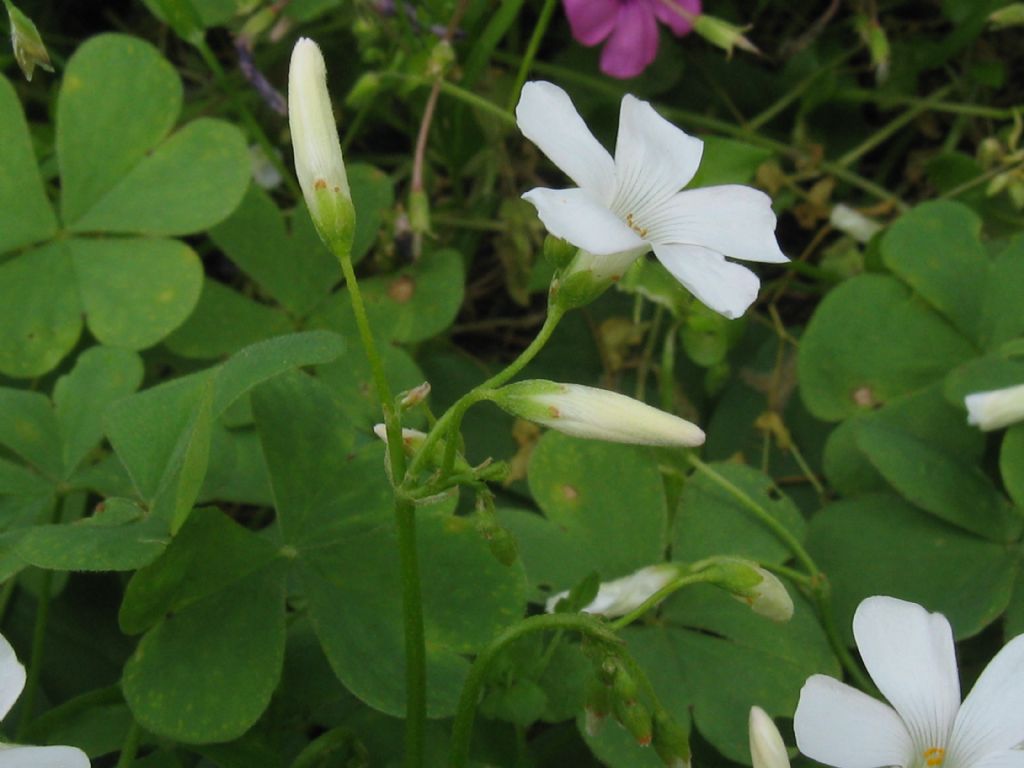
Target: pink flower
{"points": [[630, 28]]}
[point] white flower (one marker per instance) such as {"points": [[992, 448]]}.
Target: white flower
{"points": [[910, 655], [318, 161], [632, 204], [767, 749], [996, 408], [625, 595], [595, 414], [12, 681]]}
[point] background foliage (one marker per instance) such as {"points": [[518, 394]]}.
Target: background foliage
{"points": [[197, 542]]}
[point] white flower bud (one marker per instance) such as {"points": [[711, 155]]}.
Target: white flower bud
{"points": [[596, 414], [853, 223], [318, 161], [767, 750], [412, 439], [625, 595], [750, 584], [996, 408]]}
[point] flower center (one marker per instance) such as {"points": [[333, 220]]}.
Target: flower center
{"points": [[631, 223], [934, 756]]}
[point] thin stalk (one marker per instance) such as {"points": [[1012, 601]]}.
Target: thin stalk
{"points": [[396, 451], [887, 130], [795, 92], [462, 730], [130, 746], [460, 94], [415, 644], [648, 353], [531, 51], [455, 413], [929, 102], [850, 664]]}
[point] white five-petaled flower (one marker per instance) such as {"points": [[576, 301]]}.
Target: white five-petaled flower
{"points": [[626, 206], [910, 655], [996, 408], [12, 681]]}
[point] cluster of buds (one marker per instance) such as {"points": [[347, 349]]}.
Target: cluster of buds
{"points": [[613, 690]]}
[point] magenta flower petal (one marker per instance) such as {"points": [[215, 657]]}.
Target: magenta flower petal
{"points": [[634, 43], [668, 13], [591, 20]]}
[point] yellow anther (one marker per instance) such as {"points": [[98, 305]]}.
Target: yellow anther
{"points": [[642, 231], [934, 756]]}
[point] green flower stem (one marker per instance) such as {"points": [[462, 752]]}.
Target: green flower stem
{"points": [[447, 424], [462, 730], [824, 604], [405, 521], [415, 644], [657, 597], [130, 746], [890, 128], [396, 449], [930, 103], [531, 51]]}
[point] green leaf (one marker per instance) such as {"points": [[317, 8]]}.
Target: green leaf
{"points": [[162, 435], [850, 359], [352, 584], [373, 195], [1003, 305], [353, 384], [40, 314], [924, 415], [1011, 463], [294, 268], [604, 510], [116, 538], [25, 213], [710, 521], [334, 507], [936, 249], [413, 304], [190, 182], [135, 292], [101, 375], [29, 429], [938, 482], [223, 321], [880, 545], [727, 161], [119, 99], [206, 669]]}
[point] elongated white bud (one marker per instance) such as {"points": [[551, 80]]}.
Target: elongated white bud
{"points": [[625, 595], [318, 161], [996, 408], [596, 414], [767, 750]]}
